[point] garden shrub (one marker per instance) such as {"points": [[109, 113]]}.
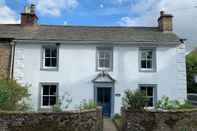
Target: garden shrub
{"points": [[134, 100], [167, 104], [88, 104], [13, 96]]}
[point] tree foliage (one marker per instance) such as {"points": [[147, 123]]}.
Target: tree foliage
{"points": [[191, 62], [13, 96], [135, 100]]}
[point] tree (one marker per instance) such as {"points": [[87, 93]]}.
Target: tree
{"points": [[191, 63], [13, 96]]}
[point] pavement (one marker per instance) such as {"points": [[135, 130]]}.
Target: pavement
{"points": [[108, 125]]}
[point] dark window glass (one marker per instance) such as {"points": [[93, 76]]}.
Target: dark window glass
{"points": [[149, 64], [53, 90], [47, 62], [54, 62], [52, 100], [47, 52], [143, 63], [45, 100], [45, 90], [54, 52], [150, 102], [150, 91]]}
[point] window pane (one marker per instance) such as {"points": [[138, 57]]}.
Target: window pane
{"points": [[101, 63], [47, 62], [101, 54], [149, 91], [104, 58], [150, 102], [47, 52], [149, 64], [53, 90], [107, 55], [143, 64], [107, 63], [149, 54], [54, 62], [52, 100], [45, 100], [54, 52], [45, 90]]}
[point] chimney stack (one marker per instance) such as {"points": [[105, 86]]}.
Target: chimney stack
{"points": [[29, 17], [165, 22]]}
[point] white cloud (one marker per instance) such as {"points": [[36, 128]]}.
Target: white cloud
{"points": [[65, 22], [7, 16], [55, 7], [101, 6], [184, 11]]}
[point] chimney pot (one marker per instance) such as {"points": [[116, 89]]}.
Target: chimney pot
{"points": [[165, 22], [29, 17], [32, 9], [162, 13]]}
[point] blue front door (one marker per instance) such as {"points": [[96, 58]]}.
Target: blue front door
{"points": [[104, 100]]}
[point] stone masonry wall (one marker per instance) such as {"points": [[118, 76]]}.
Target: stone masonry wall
{"points": [[159, 121], [89, 120], [5, 51]]}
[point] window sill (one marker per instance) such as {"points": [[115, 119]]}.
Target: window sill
{"points": [[45, 108], [49, 69], [104, 69], [147, 70]]}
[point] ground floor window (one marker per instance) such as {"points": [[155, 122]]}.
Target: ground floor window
{"points": [[48, 95], [150, 92]]}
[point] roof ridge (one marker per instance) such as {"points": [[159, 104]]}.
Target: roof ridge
{"points": [[86, 26]]}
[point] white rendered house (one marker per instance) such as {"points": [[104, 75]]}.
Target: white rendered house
{"points": [[96, 63]]}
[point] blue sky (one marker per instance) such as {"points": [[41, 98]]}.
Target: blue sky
{"points": [[80, 12], [108, 13]]}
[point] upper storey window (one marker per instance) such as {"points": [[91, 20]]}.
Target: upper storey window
{"points": [[147, 59], [104, 58], [50, 57]]}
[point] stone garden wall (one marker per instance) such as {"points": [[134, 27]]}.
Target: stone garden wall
{"points": [[87, 120], [159, 121]]}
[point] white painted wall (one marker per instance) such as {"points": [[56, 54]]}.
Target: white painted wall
{"points": [[77, 68]]}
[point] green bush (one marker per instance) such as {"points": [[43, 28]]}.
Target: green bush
{"points": [[88, 104], [191, 64], [135, 100], [167, 104], [13, 96], [117, 119]]}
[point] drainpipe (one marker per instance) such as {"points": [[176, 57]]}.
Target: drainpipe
{"points": [[12, 43]]}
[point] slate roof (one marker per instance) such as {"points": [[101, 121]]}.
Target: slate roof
{"points": [[86, 33]]}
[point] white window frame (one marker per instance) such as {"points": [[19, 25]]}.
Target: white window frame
{"points": [[41, 94], [108, 50], [153, 59], [43, 57]]}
